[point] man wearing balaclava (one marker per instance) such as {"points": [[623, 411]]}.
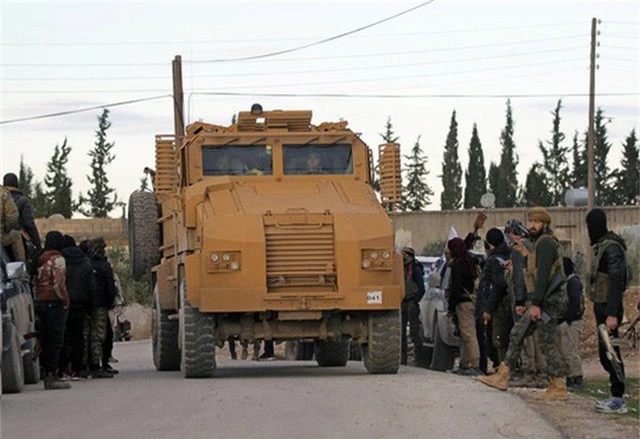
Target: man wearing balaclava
{"points": [[608, 282], [544, 277]]}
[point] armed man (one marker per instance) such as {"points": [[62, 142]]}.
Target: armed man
{"points": [[414, 290], [544, 276], [608, 279]]}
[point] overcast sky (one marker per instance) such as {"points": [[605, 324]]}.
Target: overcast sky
{"points": [[443, 56]]}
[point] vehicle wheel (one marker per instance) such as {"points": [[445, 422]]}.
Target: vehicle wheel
{"points": [[332, 353], [198, 347], [381, 353], [443, 355], [12, 368], [164, 338], [144, 233], [355, 351], [31, 364]]}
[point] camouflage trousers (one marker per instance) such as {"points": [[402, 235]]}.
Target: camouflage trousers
{"points": [[568, 340], [99, 322], [546, 329], [532, 362]]}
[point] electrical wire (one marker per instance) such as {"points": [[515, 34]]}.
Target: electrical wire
{"points": [[297, 72], [412, 96], [317, 43], [82, 110]]}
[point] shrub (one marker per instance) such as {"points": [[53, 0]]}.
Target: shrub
{"points": [[132, 290]]}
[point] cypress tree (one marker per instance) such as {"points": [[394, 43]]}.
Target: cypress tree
{"points": [[451, 196], [555, 166], [58, 197], [494, 180], [417, 193], [536, 191], [627, 185], [475, 176], [99, 199], [604, 194], [25, 179], [40, 207], [508, 181]]}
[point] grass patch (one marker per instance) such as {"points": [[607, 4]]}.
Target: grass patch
{"points": [[599, 389]]}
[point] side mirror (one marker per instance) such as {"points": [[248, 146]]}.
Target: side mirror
{"points": [[435, 280], [16, 270]]}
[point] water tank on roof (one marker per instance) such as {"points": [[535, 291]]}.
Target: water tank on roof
{"points": [[576, 197]]}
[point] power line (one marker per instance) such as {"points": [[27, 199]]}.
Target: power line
{"points": [[412, 96], [314, 58], [317, 43], [82, 110], [262, 40], [296, 72]]}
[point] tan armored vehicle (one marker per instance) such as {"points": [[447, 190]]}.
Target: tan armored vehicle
{"points": [[267, 229]]}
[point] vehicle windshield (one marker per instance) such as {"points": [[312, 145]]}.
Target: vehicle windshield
{"points": [[237, 160], [317, 159]]}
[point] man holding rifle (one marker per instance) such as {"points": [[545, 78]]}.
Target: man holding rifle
{"points": [[608, 278], [544, 277]]}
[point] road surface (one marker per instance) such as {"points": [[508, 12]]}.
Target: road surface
{"points": [[278, 399]]}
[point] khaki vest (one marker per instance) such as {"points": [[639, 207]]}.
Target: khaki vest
{"points": [[531, 272]]}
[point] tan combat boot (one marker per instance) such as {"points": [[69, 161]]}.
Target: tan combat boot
{"points": [[499, 380], [557, 390]]}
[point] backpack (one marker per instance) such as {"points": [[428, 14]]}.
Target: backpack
{"points": [[627, 266], [581, 299]]}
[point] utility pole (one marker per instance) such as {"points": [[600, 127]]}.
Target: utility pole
{"points": [[591, 134], [178, 99]]}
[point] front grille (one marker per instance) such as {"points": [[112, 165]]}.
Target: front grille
{"points": [[300, 252]]}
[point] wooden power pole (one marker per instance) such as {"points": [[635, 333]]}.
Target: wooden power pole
{"points": [[178, 99], [591, 134]]}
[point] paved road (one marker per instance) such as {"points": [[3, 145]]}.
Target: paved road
{"points": [[279, 399]]}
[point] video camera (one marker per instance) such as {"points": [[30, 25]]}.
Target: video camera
{"points": [[517, 228]]}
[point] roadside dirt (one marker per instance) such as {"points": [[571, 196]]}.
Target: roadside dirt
{"points": [[577, 418]]}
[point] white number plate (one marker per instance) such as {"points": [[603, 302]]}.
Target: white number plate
{"points": [[374, 297]]}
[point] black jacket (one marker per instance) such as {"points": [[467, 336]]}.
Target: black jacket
{"points": [[493, 287], [105, 283], [81, 283], [461, 287], [575, 304], [417, 276], [27, 223], [612, 263]]}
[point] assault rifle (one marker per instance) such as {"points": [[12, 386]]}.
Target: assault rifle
{"points": [[610, 352]]}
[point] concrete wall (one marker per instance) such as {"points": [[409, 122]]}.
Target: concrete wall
{"points": [[113, 230], [418, 229]]}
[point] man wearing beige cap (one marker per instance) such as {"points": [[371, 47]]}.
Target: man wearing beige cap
{"points": [[544, 278]]}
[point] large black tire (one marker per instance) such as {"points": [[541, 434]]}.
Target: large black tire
{"points": [[198, 347], [307, 350], [332, 353], [164, 338], [443, 355], [144, 234], [12, 368], [31, 364], [381, 353]]}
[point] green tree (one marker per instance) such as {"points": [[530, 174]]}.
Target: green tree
{"points": [[25, 179], [536, 190], [99, 199], [58, 197], [387, 137], [41, 206], [627, 178], [451, 197], [475, 176], [604, 194], [494, 179], [555, 165], [507, 188], [579, 168], [417, 193]]}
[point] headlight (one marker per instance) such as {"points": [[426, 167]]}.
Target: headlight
{"points": [[234, 266], [226, 257], [377, 259], [224, 261], [215, 257]]}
